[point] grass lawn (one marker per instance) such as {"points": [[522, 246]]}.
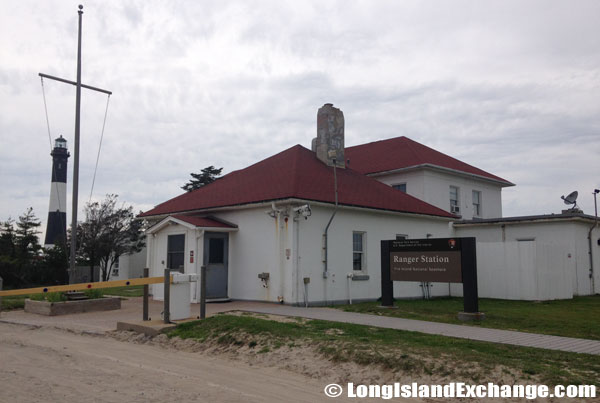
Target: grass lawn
{"points": [[18, 301], [13, 302], [397, 350], [571, 318]]}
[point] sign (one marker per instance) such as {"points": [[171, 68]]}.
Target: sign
{"points": [[434, 260], [443, 260]]}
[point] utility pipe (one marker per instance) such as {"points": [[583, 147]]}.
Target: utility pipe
{"points": [[325, 272], [592, 282]]}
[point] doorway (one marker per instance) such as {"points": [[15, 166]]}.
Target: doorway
{"points": [[216, 251]]}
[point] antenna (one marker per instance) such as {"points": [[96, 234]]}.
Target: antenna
{"points": [[571, 199]]}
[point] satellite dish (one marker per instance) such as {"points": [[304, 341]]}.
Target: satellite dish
{"points": [[571, 199]]}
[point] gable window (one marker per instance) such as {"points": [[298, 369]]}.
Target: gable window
{"points": [[400, 186], [175, 252], [359, 251], [476, 203], [454, 200]]}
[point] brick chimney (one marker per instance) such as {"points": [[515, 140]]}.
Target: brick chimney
{"points": [[329, 143]]}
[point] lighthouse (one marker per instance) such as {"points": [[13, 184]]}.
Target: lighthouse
{"points": [[56, 228]]}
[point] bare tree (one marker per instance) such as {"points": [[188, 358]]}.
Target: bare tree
{"points": [[108, 233]]}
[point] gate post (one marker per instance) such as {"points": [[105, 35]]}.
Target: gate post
{"points": [[202, 292], [146, 292], [167, 297]]}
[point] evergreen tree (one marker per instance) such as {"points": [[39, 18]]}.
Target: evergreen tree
{"points": [[26, 236], [206, 176], [7, 238]]}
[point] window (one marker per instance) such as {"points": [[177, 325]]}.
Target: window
{"points": [[400, 186], [358, 251], [476, 203], [175, 252], [454, 200], [216, 249], [401, 237]]}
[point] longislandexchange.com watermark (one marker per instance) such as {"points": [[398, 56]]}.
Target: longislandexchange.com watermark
{"points": [[460, 390]]}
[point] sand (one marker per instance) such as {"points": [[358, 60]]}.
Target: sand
{"points": [[52, 365]]}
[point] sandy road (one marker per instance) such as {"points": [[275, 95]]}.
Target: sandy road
{"points": [[51, 365]]}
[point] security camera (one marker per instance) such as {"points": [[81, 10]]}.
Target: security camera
{"points": [[304, 210]]}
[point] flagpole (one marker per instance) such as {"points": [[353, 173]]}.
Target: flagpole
{"points": [[76, 151]]}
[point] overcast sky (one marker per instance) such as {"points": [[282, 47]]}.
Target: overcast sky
{"points": [[510, 87]]}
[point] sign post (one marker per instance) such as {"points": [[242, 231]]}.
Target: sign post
{"points": [[444, 260]]}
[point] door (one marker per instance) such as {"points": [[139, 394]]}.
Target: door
{"points": [[216, 248]]}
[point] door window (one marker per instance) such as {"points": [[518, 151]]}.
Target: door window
{"points": [[216, 249], [175, 252]]}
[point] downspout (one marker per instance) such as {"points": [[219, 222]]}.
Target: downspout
{"points": [[296, 222], [325, 272]]}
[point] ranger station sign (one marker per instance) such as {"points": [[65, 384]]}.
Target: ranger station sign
{"points": [[434, 260]]}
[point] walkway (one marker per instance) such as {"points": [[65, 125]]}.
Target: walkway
{"points": [[99, 322], [569, 344]]}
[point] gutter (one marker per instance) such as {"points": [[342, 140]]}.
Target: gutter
{"points": [[267, 203]]}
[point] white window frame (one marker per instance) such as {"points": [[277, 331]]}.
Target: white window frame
{"points": [[363, 252], [457, 198], [476, 206]]}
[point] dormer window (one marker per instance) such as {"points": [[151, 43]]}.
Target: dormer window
{"points": [[400, 186]]}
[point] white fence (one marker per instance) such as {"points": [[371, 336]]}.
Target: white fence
{"points": [[523, 270]]}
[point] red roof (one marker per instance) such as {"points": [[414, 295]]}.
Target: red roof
{"points": [[295, 173], [402, 152], [203, 221]]}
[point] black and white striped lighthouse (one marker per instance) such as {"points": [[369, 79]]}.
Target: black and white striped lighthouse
{"points": [[56, 229]]}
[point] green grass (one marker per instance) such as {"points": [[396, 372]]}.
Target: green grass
{"points": [[13, 302], [569, 318], [18, 301], [397, 350]]}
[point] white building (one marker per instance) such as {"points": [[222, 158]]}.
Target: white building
{"points": [[274, 232], [541, 257], [129, 266], [431, 176]]}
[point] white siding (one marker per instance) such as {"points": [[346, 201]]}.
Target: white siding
{"points": [[433, 187], [561, 263]]}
